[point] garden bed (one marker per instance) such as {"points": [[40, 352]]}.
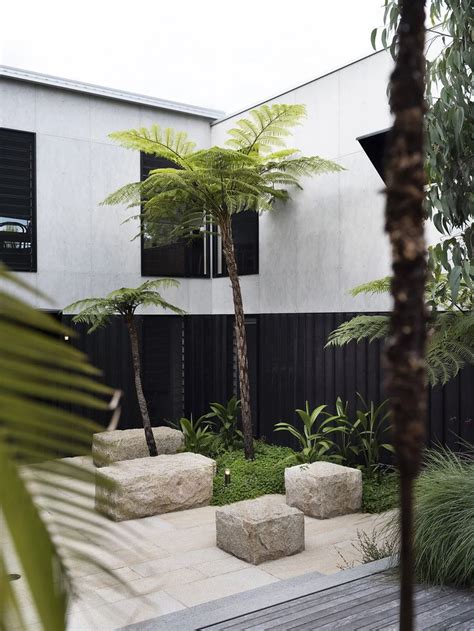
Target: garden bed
{"points": [[265, 475]]}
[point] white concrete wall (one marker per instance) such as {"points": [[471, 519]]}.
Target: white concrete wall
{"points": [[313, 249], [329, 237], [83, 249]]}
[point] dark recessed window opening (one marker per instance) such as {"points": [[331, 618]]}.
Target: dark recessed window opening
{"points": [[187, 258], [245, 235], [17, 200], [374, 146]]}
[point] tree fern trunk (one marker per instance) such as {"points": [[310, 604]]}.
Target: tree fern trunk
{"points": [[150, 439], [240, 337], [405, 176]]}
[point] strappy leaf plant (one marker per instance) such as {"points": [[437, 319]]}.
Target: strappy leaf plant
{"points": [[228, 432], [198, 434], [371, 424], [96, 313], [315, 440], [46, 504], [207, 187]]}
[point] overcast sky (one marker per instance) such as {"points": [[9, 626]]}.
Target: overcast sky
{"points": [[224, 55]]}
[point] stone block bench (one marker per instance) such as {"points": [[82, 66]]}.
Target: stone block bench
{"points": [[150, 486], [127, 444], [324, 489], [260, 530]]}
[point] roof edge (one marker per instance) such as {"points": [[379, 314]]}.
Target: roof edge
{"points": [[295, 87], [108, 93]]}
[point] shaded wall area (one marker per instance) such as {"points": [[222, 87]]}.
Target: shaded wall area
{"points": [[189, 362]]}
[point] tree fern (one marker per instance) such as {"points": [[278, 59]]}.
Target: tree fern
{"points": [[252, 171], [45, 526], [96, 313]]}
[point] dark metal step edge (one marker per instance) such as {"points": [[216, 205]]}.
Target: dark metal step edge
{"points": [[222, 609]]}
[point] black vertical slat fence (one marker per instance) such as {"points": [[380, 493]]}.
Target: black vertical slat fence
{"points": [[189, 362], [295, 366], [108, 349]]}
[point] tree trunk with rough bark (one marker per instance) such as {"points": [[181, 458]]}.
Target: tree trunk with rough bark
{"points": [[405, 177], [150, 439], [240, 337]]}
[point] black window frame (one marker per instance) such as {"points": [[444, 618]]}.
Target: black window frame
{"points": [[33, 266], [215, 250], [205, 246]]}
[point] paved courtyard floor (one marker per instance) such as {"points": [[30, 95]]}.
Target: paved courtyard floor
{"points": [[158, 565]]}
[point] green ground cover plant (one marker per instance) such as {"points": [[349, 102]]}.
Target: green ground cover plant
{"points": [[265, 474], [379, 492], [252, 478]]}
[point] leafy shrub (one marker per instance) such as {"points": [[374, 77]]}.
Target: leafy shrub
{"points": [[227, 416], [444, 520], [252, 478], [314, 440], [198, 435]]}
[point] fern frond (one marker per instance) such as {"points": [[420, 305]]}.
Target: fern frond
{"points": [[379, 286], [450, 347], [165, 143], [304, 166], [265, 128], [128, 194], [359, 328]]}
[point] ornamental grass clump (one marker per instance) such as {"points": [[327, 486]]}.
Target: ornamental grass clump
{"points": [[444, 520]]}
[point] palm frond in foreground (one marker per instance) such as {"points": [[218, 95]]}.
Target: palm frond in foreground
{"points": [[46, 503]]}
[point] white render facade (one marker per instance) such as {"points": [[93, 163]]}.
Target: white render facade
{"points": [[312, 250]]}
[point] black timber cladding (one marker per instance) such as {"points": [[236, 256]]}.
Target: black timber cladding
{"points": [[189, 362], [18, 200]]}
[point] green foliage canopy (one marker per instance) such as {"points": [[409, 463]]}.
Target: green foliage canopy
{"points": [[208, 186], [96, 312], [449, 130]]}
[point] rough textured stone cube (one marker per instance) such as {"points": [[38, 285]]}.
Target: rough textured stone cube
{"points": [[260, 530], [324, 489], [127, 444], [150, 486]]}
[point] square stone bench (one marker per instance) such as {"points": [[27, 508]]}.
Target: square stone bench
{"points": [[324, 489], [127, 444], [260, 530], [150, 486]]}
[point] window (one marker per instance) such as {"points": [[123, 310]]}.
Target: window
{"points": [[17, 200], [245, 235], [182, 259]]}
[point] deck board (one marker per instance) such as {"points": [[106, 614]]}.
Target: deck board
{"points": [[369, 603]]}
